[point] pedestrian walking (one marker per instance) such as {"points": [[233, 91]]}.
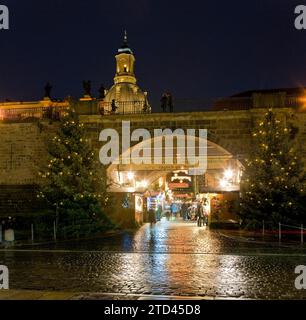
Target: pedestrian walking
{"points": [[184, 211], [152, 217], [168, 215], [159, 212], [200, 214], [205, 216]]}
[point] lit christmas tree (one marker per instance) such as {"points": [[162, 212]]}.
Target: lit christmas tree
{"points": [[273, 183], [71, 183]]}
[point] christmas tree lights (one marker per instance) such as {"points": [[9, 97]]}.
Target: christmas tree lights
{"points": [[272, 186], [70, 185]]}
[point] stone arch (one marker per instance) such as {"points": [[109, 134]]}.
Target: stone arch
{"points": [[215, 153]]}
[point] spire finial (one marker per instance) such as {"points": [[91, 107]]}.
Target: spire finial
{"points": [[125, 46], [125, 36]]}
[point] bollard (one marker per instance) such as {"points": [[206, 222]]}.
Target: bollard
{"points": [[302, 234], [280, 232], [32, 232], [263, 228], [54, 230], [9, 235]]}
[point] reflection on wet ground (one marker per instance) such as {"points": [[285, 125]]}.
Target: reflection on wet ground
{"points": [[169, 258]]}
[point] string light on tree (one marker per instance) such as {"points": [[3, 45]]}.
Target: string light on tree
{"points": [[71, 186], [272, 177]]}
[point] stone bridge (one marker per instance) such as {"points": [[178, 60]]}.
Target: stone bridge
{"points": [[23, 151]]}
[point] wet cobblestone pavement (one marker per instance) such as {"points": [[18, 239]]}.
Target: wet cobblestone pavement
{"points": [[168, 259]]}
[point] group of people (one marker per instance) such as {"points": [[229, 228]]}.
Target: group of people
{"points": [[202, 214], [198, 213], [167, 102]]}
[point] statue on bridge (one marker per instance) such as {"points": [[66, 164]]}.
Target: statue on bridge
{"points": [[102, 92], [87, 87], [48, 89]]}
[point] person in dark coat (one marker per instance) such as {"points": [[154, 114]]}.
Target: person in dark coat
{"points": [[152, 217], [184, 211], [200, 214], [114, 107], [170, 102], [164, 102]]}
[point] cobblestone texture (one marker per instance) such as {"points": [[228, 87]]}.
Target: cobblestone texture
{"points": [[168, 259]]}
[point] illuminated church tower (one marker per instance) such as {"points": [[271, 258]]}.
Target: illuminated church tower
{"points": [[125, 64], [125, 96]]}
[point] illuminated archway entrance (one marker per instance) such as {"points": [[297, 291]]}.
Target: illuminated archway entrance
{"points": [[219, 183]]}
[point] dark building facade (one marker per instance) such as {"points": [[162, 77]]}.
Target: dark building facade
{"points": [[274, 98]]}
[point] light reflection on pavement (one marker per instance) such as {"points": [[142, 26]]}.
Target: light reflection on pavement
{"points": [[169, 258]]}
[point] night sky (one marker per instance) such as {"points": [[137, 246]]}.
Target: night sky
{"points": [[198, 50]]}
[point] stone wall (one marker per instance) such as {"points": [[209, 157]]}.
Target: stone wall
{"points": [[229, 129], [22, 154], [18, 200], [23, 149]]}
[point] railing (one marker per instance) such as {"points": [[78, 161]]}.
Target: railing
{"points": [[290, 230], [124, 107], [19, 114], [50, 231]]}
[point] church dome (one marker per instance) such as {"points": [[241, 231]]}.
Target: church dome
{"points": [[125, 96], [127, 92]]}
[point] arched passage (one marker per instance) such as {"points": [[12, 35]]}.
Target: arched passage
{"points": [[151, 184], [139, 177]]}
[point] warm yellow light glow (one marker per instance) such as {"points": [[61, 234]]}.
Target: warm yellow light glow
{"points": [[161, 182], [223, 183], [228, 174], [130, 175], [144, 184], [302, 101]]}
